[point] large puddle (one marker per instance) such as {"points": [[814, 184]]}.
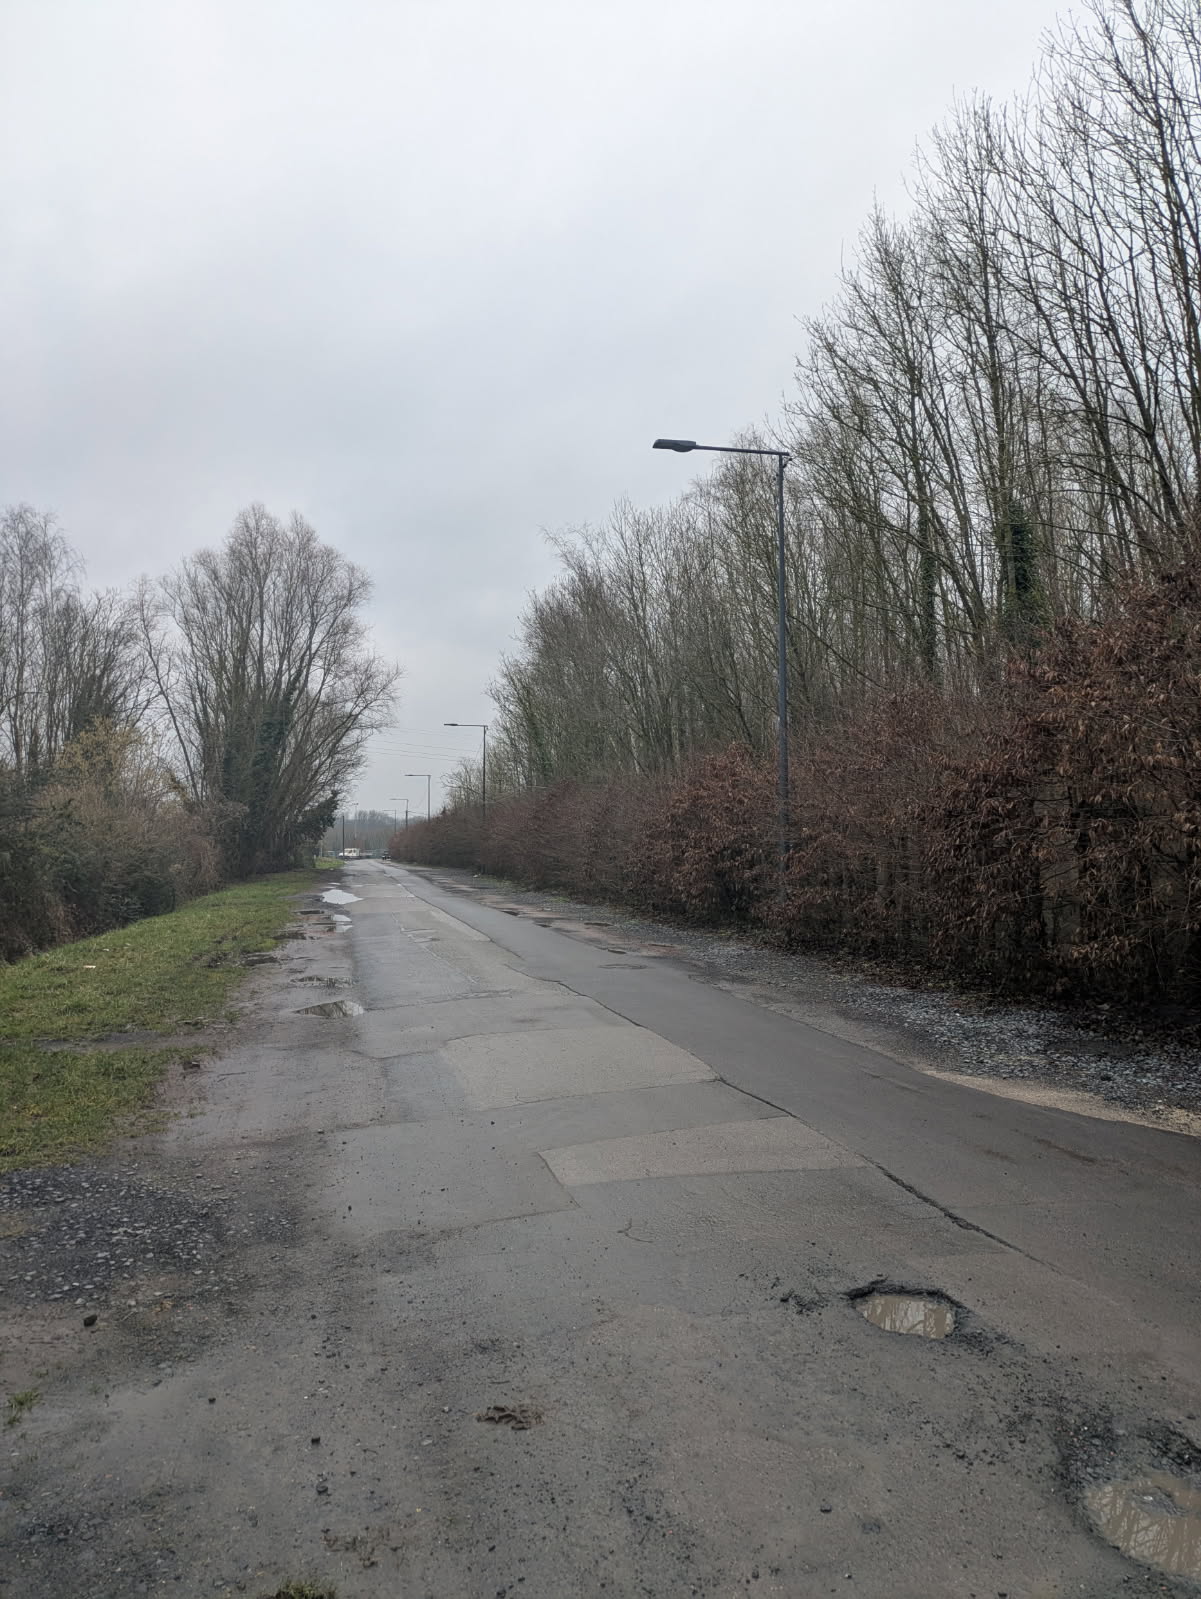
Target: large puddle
{"points": [[919, 1314], [334, 1007], [1155, 1519], [339, 896]]}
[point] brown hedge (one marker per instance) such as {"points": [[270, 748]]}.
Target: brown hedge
{"points": [[1041, 837]]}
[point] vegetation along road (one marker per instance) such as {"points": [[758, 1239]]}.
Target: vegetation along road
{"points": [[494, 1253]]}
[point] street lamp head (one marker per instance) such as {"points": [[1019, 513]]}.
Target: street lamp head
{"points": [[450, 724], [682, 446]]}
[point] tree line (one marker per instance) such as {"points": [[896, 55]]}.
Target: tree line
{"points": [[995, 441], [155, 742]]}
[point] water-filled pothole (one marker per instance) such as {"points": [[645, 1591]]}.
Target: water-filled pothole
{"points": [[339, 896], [923, 1315], [1155, 1519], [334, 1007]]}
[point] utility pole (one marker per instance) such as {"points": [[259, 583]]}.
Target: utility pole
{"points": [[426, 775]]}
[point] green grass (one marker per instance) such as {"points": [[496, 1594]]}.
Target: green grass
{"points": [[153, 977], [18, 1404], [327, 863]]}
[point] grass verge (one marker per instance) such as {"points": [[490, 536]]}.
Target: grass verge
{"points": [[153, 977]]}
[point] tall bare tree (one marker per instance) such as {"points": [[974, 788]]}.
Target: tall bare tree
{"points": [[267, 686]]}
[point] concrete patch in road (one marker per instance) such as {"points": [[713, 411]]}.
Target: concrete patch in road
{"points": [[560, 1123], [776, 1143], [849, 1213], [400, 1177], [511, 1069], [416, 1026]]}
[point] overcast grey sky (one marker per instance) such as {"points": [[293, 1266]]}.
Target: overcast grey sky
{"points": [[432, 272]]}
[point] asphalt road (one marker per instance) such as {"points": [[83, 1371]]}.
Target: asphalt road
{"points": [[546, 1284]]}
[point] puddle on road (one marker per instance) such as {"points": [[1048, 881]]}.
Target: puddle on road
{"points": [[334, 1007], [1155, 1519], [920, 1314], [339, 896]]}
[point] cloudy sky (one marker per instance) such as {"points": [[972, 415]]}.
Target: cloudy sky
{"points": [[432, 272]]}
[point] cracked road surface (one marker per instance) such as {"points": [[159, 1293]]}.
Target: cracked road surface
{"points": [[541, 1276]]}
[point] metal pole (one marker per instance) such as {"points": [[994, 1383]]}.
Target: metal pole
{"points": [[684, 447], [782, 642], [484, 777]]}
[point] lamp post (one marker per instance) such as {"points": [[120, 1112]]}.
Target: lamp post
{"points": [[781, 458], [483, 764], [426, 775]]}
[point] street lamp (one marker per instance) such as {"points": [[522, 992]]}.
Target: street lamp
{"points": [[405, 798], [426, 775], [781, 457], [483, 764]]}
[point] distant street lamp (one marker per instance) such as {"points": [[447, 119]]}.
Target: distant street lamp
{"points": [[405, 798], [781, 457], [483, 764], [426, 775]]}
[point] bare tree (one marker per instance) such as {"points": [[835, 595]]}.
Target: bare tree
{"points": [[266, 684], [67, 660]]}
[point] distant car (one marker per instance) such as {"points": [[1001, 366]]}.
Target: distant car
{"points": [[351, 854]]}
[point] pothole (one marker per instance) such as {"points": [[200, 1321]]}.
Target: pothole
{"points": [[334, 1007], [322, 982], [1154, 1519], [922, 1315], [339, 896], [519, 1417]]}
